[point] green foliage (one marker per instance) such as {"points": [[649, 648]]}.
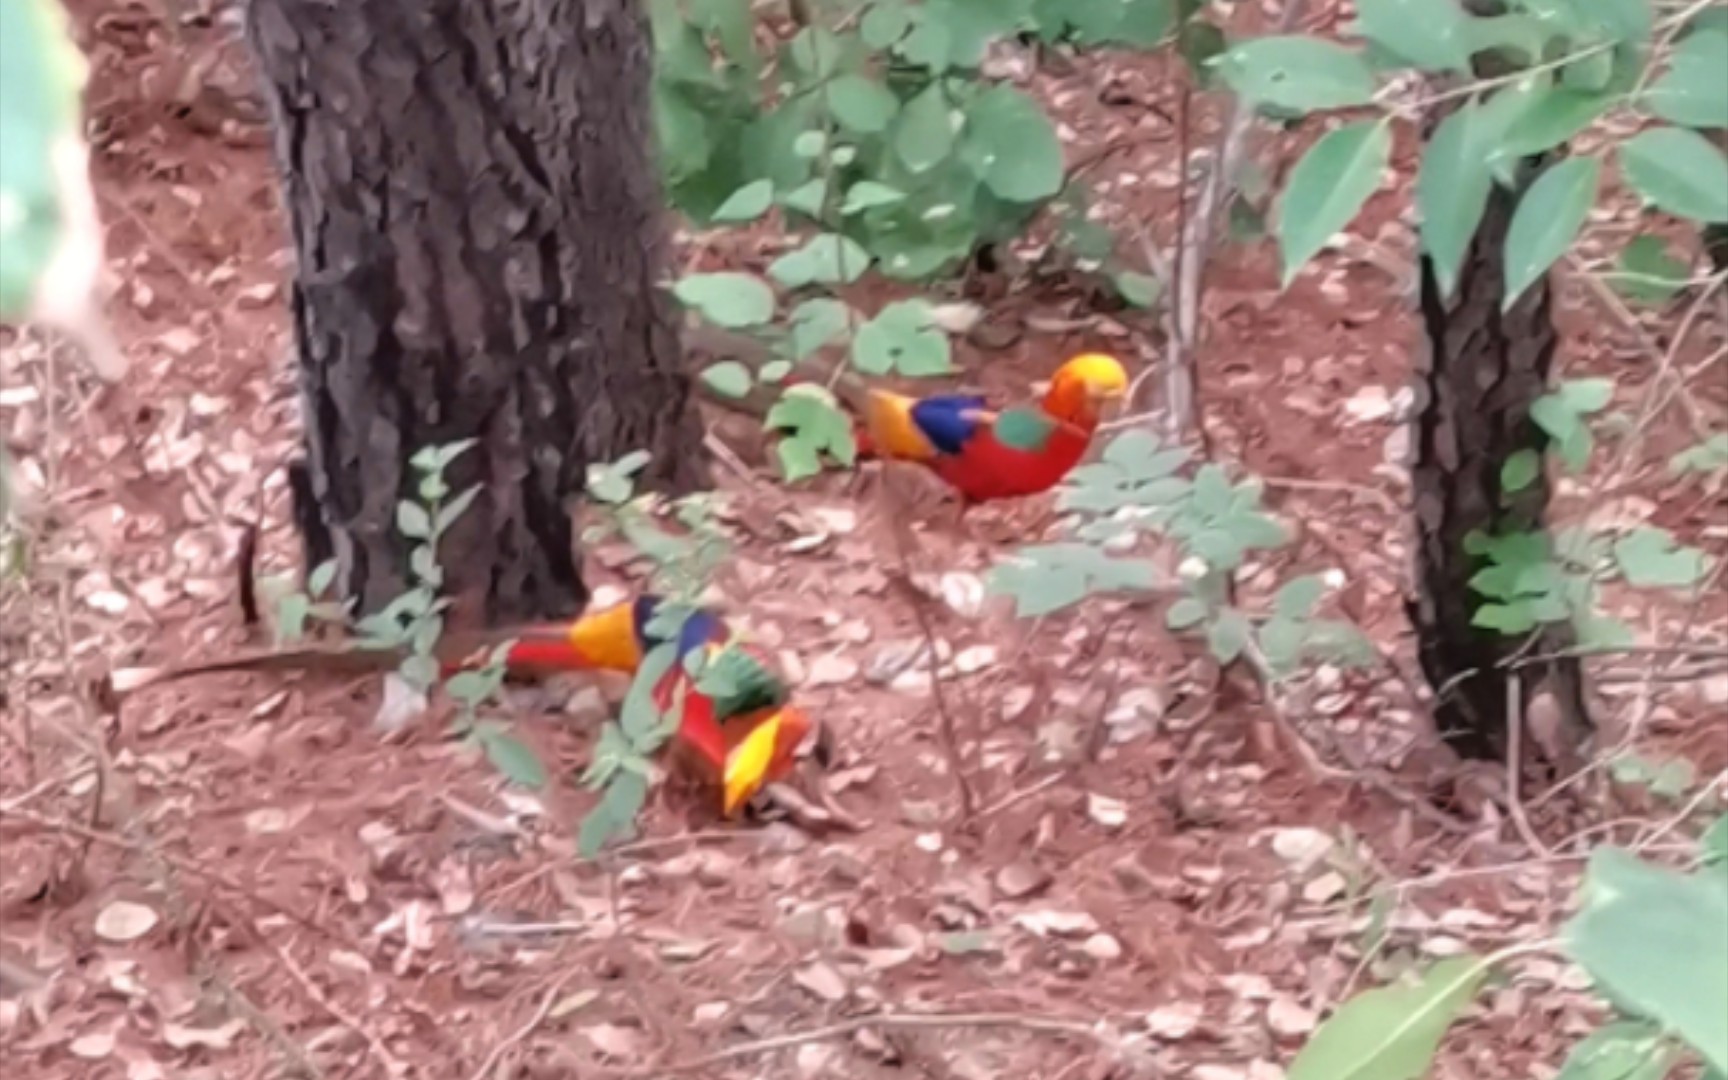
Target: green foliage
{"points": [[1649, 557], [903, 337], [1433, 35], [1677, 170], [1562, 415], [728, 299], [1547, 221], [1663, 779], [1391, 1033], [1694, 90], [41, 78], [1624, 1050], [1138, 485], [1655, 941], [1646, 272], [1297, 74], [1708, 456], [1327, 188], [814, 426]]}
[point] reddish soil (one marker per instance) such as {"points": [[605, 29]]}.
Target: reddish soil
{"points": [[329, 901]]}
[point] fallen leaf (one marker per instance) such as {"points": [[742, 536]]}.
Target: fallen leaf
{"points": [[1021, 881], [1301, 847], [1108, 812], [613, 1041], [1059, 923], [1175, 1021], [1102, 947], [216, 1038], [124, 920], [92, 1046], [1287, 1018], [822, 981], [571, 1003], [832, 670]]}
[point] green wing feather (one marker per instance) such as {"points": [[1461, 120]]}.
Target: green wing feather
{"points": [[1025, 428], [741, 682]]}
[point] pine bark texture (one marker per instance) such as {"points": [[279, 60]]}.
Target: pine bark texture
{"points": [[1481, 371], [478, 222]]}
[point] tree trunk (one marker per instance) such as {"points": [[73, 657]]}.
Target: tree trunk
{"points": [[1483, 370], [479, 228]]}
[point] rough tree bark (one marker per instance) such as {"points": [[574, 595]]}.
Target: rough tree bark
{"points": [[1482, 370], [479, 229]]}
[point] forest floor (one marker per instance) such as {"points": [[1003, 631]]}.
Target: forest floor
{"points": [[269, 885]]}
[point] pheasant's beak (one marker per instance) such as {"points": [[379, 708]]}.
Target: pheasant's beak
{"points": [[746, 770]]}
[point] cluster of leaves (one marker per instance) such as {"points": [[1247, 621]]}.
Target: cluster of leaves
{"points": [[1138, 486], [413, 623], [1567, 63], [874, 135], [1653, 939], [683, 563]]}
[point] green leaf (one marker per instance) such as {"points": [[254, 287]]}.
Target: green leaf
{"points": [[1711, 455], [1011, 146], [807, 198], [1297, 597], [1585, 396], [1328, 187], [924, 135], [903, 337], [1548, 218], [862, 104], [1201, 45], [1228, 635], [868, 194], [1393, 1032], [1452, 187], [1647, 273], [1297, 73], [1141, 290], [1281, 642], [728, 377], [1186, 613], [412, 520], [1625, 1050], [1656, 941], [1713, 845], [1509, 619], [1431, 34], [1049, 577], [515, 759], [1552, 117], [817, 322], [1677, 170], [826, 259], [321, 578], [728, 298], [1520, 471], [747, 203], [614, 817], [930, 44], [1693, 91], [292, 613], [1649, 558], [817, 426], [884, 24], [816, 51], [42, 76]]}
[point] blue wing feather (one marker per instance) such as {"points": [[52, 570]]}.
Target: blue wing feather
{"points": [[700, 628], [948, 420]]}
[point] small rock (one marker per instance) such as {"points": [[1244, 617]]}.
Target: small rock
{"points": [[975, 658], [1021, 881], [1102, 947], [123, 921], [1174, 1021], [710, 1013], [822, 981], [181, 341], [832, 670], [1301, 847], [1057, 923], [1108, 812]]}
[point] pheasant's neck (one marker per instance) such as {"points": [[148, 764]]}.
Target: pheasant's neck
{"points": [[1069, 404]]}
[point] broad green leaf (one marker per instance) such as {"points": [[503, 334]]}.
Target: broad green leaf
{"points": [[728, 298], [1555, 115], [1518, 617], [817, 426], [1297, 73], [728, 377], [1625, 1050], [1452, 185], [1656, 941], [514, 758], [862, 104], [817, 322], [1711, 455], [1187, 612], [807, 198], [884, 24], [1713, 845], [1328, 187], [924, 134], [1393, 1032], [1296, 598], [1520, 470], [816, 51], [1228, 635], [974, 24], [1677, 170], [903, 337], [825, 259], [1649, 558], [614, 817], [868, 194], [1201, 45], [1431, 34], [412, 520], [1281, 641], [1693, 91], [1585, 396], [747, 203], [1012, 146], [1141, 290], [1049, 577], [42, 77], [1547, 220], [1647, 272], [930, 45], [799, 458]]}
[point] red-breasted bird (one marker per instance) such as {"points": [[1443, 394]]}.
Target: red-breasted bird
{"points": [[737, 733], [985, 454]]}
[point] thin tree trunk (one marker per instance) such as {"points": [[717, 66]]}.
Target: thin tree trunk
{"points": [[479, 229], [1483, 369]]}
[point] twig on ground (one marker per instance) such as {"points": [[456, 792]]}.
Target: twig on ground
{"points": [[547, 1000], [375, 1045], [1042, 1024], [1515, 764]]}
